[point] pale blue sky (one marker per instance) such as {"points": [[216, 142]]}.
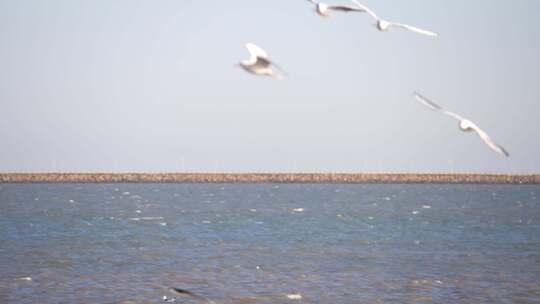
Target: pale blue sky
{"points": [[133, 85]]}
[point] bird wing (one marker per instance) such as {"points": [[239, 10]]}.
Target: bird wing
{"points": [[255, 51], [262, 62], [279, 68], [266, 62], [193, 295], [346, 8], [435, 107], [414, 29], [485, 137], [366, 9]]}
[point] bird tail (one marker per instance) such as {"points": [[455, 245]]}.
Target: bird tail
{"points": [[276, 76]]}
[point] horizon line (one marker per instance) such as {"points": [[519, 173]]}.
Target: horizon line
{"points": [[270, 177]]}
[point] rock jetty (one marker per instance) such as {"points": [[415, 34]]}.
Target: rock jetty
{"points": [[347, 178]]}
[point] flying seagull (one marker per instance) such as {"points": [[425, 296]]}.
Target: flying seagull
{"points": [[324, 9], [384, 25], [464, 124], [259, 63], [193, 295]]}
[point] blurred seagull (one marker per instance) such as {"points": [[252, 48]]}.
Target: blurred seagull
{"points": [[323, 9], [384, 25], [168, 300], [259, 63], [193, 295], [464, 124]]}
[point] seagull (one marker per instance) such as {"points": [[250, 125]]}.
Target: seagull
{"points": [[464, 124], [323, 9], [384, 25], [259, 63], [193, 295]]}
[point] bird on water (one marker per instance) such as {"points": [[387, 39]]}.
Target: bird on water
{"points": [[190, 294]]}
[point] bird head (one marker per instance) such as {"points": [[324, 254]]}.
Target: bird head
{"points": [[382, 25], [322, 10], [465, 126]]}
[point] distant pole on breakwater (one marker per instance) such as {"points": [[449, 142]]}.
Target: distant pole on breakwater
{"points": [[307, 178]]}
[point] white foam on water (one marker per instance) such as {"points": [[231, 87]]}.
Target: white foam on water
{"points": [[146, 218], [28, 279], [294, 296]]}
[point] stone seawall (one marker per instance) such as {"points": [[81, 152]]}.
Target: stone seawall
{"points": [[348, 178]]}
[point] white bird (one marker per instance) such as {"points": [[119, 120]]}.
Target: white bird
{"points": [[259, 63], [465, 125], [168, 300], [384, 25], [324, 9]]}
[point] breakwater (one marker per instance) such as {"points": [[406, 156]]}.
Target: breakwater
{"points": [[349, 178]]}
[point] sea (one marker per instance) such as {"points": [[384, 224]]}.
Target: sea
{"points": [[269, 243]]}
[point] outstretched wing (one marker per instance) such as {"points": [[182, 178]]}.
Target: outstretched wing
{"points": [[414, 29], [485, 137], [435, 107], [282, 71], [261, 63], [193, 295], [366, 9], [346, 8], [264, 63], [256, 51]]}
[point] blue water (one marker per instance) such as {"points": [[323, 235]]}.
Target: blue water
{"points": [[110, 243]]}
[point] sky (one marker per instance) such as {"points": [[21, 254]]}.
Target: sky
{"points": [[150, 86]]}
